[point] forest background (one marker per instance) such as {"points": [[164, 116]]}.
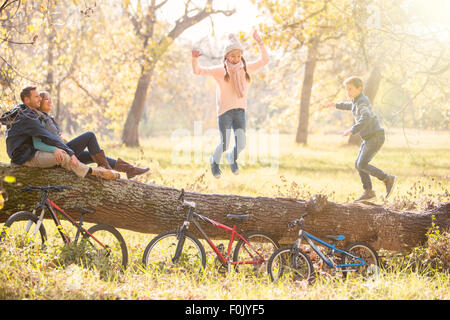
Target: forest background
{"points": [[123, 68]]}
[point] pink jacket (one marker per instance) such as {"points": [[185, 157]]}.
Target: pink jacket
{"points": [[226, 98]]}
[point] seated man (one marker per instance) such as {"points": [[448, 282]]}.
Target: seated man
{"points": [[23, 123], [87, 140]]}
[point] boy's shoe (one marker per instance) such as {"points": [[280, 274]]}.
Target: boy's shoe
{"points": [[215, 168], [232, 163], [367, 195], [389, 182]]}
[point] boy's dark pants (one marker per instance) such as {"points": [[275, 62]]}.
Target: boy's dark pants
{"points": [[367, 151]]}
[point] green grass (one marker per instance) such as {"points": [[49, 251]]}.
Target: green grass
{"points": [[420, 160]]}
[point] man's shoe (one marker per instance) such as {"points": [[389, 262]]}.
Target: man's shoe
{"points": [[215, 168], [389, 182], [105, 173], [367, 195], [232, 163]]}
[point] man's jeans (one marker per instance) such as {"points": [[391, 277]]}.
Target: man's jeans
{"points": [[367, 151], [232, 119]]}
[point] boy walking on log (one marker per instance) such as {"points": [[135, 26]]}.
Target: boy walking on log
{"points": [[368, 127]]}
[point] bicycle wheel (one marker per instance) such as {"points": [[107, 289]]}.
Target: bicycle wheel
{"points": [[365, 252], [281, 265], [160, 251], [106, 249], [243, 254], [20, 229]]}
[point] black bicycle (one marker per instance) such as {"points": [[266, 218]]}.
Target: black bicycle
{"points": [[180, 249], [101, 241]]}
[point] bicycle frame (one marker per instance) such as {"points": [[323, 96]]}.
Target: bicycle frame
{"points": [[46, 203], [310, 238], [225, 259]]}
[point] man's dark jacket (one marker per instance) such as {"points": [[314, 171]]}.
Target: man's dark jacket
{"points": [[22, 124]]}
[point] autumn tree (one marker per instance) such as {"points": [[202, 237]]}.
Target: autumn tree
{"points": [[304, 26], [155, 39]]}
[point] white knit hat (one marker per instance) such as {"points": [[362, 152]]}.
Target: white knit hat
{"points": [[232, 44]]}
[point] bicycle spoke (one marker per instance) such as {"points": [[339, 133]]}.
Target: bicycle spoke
{"points": [[105, 250], [160, 253], [252, 258]]}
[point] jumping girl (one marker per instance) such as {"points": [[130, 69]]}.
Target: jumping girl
{"points": [[233, 79]]}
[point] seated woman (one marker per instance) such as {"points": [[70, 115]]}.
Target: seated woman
{"points": [[87, 140]]}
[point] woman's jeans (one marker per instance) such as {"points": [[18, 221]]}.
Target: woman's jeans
{"points": [[87, 140], [367, 151], [232, 119]]}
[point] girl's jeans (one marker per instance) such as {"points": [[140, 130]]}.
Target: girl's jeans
{"points": [[367, 151], [87, 140], [232, 119]]}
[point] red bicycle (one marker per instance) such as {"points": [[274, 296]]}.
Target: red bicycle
{"points": [[180, 249], [101, 241]]}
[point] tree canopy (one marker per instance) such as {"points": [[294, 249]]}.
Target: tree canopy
{"points": [[122, 68]]}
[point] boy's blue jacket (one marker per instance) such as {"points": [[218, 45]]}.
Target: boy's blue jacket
{"points": [[22, 124], [366, 121]]}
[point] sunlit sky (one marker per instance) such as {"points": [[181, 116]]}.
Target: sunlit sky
{"points": [[244, 19]]}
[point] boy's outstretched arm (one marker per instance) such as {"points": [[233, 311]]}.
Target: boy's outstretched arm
{"points": [[340, 105], [344, 106]]}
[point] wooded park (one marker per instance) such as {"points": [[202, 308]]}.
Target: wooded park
{"points": [[338, 109]]}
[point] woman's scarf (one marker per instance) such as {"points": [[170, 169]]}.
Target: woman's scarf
{"points": [[237, 77], [50, 123]]}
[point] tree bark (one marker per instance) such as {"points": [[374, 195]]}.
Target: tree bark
{"points": [[130, 135], [310, 66], [152, 209]]}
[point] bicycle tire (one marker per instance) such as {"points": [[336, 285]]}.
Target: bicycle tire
{"points": [[153, 257], [265, 250], [118, 259], [279, 265], [17, 217], [370, 269]]}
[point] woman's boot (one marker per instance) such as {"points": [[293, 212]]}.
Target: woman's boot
{"points": [[130, 170], [101, 160], [105, 173]]}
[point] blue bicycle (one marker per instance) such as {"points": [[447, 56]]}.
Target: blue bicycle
{"points": [[292, 262]]}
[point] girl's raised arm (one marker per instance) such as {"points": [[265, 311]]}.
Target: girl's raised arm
{"points": [[263, 60], [209, 71]]}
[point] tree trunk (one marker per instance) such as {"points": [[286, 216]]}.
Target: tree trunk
{"points": [[310, 65], [152, 209], [130, 136]]}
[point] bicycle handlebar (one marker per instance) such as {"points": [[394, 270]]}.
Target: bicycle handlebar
{"points": [[181, 197], [45, 188], [298, 221], [183, 202]]}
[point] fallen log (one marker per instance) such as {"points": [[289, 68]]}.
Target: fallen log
{"points": [[149, 208]]}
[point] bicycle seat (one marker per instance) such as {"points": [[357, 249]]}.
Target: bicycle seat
{"points": [[238, 216], [337, 238], [84, 210]]}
